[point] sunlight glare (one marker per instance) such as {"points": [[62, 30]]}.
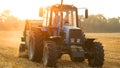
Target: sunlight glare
{"points": [[30, 8], [25, 9]]}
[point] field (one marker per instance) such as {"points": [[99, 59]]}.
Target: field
{"points": [[10, 40]]}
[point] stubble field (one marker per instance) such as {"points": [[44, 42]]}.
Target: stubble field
{"points": [[10, 40]]}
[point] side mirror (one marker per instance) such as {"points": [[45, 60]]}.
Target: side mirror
{"points": [[86, 13], [41, 12]]}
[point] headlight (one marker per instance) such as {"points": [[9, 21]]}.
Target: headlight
{"points": [[78, 40], [72, 40]]}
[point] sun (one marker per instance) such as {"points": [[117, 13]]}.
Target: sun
{"points": [[25, 9]]}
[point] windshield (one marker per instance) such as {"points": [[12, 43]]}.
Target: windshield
{"points": [[68, 17]]}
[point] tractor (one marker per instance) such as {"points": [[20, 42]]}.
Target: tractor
{"points": [[59, 33]]}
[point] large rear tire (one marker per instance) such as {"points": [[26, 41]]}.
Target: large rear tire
{"points": [[97, 57], [50, 54], [35, 48]]}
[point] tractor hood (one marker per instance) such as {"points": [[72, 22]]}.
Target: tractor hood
{"points": [[71, 31]]}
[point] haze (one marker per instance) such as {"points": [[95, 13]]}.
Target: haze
{"points": [[29, 8]]}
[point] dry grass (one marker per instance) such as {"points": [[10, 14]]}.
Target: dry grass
{"points": [[9, 43]]}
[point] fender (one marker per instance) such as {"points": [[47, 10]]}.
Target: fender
{"points": [[89, 41]]}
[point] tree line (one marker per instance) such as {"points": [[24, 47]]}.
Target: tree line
{"points": [[94, 23], [10, 22], [99, 23]]}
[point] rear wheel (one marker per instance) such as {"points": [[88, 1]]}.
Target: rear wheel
{"points": [[50, 54], [97, 57], [35, 48]]}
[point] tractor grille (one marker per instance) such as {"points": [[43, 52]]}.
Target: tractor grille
{"points": [[75, 36]]}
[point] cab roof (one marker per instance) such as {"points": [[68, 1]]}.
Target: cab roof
{"points": [[64, 6]]}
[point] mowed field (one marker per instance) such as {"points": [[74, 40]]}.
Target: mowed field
{"points": [[10, 40]]}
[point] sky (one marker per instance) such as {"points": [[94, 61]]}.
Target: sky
{"points": [[30, 8]]}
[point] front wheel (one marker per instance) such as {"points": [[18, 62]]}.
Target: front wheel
{"points": [[97, 58], [50, 54]]}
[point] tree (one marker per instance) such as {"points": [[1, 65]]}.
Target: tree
{"points": [[9, 22], [113, 24], [95, 23], [98, 23]]}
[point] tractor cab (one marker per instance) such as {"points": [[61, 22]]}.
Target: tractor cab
{"points": [[58, 15], [64, 15]]}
